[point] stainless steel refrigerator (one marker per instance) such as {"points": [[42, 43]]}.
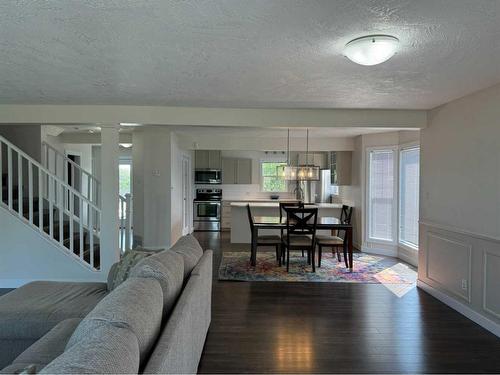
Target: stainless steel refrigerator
{"points": [[318, 191]]}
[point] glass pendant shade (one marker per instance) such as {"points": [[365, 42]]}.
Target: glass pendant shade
{"points": [[287, 172], [308, 173]]}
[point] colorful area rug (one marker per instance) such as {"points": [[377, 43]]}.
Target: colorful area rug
{"points": [[372, 269]]}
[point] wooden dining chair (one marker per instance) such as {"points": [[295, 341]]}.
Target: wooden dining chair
{"points": [[283, 206], [266, 240], [337, 239], [301, 233]]}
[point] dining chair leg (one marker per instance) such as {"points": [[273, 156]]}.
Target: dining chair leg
{"points": [[319, 256], [313, 260], [338, 254], [302, 253], [345, 256], [287, 259], [278, 254], [308, 256]]}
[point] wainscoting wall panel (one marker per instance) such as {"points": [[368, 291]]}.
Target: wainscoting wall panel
{"points": [[462, 269], [491, 295], [449, 264]]}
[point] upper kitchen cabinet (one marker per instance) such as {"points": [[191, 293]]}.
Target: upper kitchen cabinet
{"points": [[244, 171], [340, 167], [236, 171], [208, 159], [317, 158]]}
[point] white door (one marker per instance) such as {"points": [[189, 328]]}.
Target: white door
{"points": [[186, 201]]}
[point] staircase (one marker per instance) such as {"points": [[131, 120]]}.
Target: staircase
{"points": [[49, 205], [67, 170]]}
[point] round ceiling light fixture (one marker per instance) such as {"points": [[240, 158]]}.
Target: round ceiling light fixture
{"points": [[371, 49]]}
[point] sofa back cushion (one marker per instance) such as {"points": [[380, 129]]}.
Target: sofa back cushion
{"points": [[136, 305], [189, 248], [168, 270], [106, 349]]}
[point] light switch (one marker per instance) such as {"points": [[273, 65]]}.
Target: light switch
{"points": [[156, 172]]}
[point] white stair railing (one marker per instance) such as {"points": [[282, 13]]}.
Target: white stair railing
{"points": [[125, 216], [48, 204], [66, 169]]}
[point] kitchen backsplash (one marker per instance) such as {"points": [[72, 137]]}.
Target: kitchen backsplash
{"points": [[242, 192]]}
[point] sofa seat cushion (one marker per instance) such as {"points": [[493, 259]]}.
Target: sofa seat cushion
{"points": [[46, 349], [33, 309], [104, 350], [170, 275], [191, 251], [137, 305]]}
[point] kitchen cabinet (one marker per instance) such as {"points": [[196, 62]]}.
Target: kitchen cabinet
{"points": [[316, 158], [228, 171], [207, 159], [226, 215], [244, 171], [340, 167], [236, 171]]}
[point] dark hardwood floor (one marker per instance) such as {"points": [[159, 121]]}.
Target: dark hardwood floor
{"points": [[280, 327]]}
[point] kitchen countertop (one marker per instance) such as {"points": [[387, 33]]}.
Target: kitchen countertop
{"points": [[272, 204]]}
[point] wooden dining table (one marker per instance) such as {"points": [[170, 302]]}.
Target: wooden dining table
{"points": [[325, 222]]}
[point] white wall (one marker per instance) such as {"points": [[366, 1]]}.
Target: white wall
{"points": [[176, 217], [25, 256], [460, 206], [26, 137], [151, 183], [242, 143]]}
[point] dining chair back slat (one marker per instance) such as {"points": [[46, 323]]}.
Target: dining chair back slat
{"points": [[301, 221], [250, 217]]}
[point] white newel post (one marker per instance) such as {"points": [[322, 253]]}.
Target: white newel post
{"points": [[110, 154], [128, 221]]}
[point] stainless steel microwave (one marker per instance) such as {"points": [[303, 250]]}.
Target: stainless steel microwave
{"points": [[207, 176]]}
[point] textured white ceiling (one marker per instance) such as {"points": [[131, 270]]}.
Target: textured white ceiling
{"points": [[241, 53]]}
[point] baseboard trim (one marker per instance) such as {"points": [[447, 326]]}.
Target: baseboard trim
{"points": [[483, 321], [409, 256]]}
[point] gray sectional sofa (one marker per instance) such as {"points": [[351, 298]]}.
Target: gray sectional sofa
{"points": [[156, 321]]}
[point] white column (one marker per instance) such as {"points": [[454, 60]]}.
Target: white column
{"points": [[110, 154]]}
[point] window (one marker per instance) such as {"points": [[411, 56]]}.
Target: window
{"points": [[409, 172], [270, 181], [125, 179], [381, 194]]}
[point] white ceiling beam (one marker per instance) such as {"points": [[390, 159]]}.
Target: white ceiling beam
{"points": [[110, 114]]}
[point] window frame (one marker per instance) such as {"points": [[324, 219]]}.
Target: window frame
{"points": [[395, 209], [406, 147], [261, 175]]}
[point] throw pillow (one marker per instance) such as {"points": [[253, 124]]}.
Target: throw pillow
{"points": [[128, 261]]}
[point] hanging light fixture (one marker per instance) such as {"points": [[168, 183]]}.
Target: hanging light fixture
{"points": [[308, 172], [371, 49], [288, 172]]}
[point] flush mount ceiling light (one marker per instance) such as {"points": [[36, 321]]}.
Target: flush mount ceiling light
{"points": [[371, 49]]}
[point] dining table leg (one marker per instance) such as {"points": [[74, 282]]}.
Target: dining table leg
{"points": [[349, 244], [253, 249]]}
